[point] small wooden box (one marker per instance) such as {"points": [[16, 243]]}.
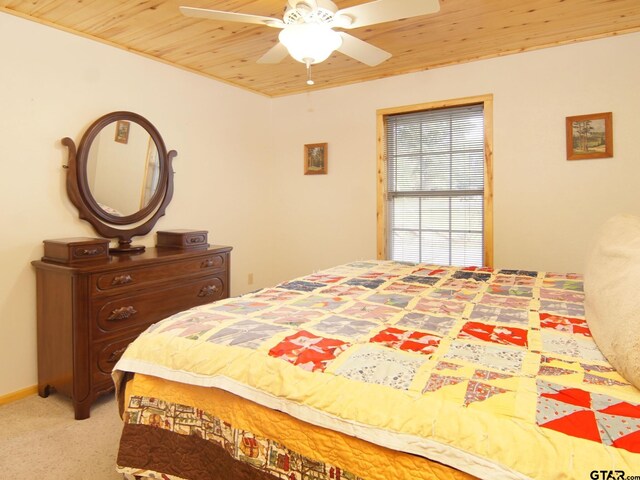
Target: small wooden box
{"points": [[184, 239], [75, 250]]}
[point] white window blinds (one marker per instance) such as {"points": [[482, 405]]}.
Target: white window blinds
{"points": [[435, 191]]}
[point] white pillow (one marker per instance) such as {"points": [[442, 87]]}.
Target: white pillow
{"points": [[612, 294]]}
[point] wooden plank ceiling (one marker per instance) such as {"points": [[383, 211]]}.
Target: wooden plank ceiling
{"points": [[463, 30]]}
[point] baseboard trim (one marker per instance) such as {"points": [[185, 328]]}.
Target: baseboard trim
{"points": [[19, 395]]}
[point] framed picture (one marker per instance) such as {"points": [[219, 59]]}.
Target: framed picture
{"points": [[122, 131], [315, 159], [590, 136]]}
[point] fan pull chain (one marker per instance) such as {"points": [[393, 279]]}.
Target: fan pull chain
{"points": [[307, 61]]}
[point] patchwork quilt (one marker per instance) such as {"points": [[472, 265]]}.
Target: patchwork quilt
{"points": [[493, 372]]}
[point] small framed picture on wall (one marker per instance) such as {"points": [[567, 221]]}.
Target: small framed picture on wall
{"points": [[315, 158], [590, 136], [122, 131]]}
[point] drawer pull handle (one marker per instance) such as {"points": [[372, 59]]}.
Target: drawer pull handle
{"points": [[122, 313], [207, 291], [89, 252], [207, 263], [122, 279], [116, 354]]}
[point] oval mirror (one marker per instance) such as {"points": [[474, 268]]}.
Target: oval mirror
{"points": [[120, 177], [123, 174]]}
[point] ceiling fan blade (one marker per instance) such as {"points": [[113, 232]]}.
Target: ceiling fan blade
{"points": [[362, 51], [380, 11], [275, 54], [231, 16]]}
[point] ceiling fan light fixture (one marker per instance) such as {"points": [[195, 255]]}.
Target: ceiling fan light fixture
{"points": [[310, 42], [309, 11]]}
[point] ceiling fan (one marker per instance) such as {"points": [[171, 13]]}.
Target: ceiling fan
{"points": [[307, 28]]}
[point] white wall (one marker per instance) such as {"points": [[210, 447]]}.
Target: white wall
{"points": [[53, 85], [546, 209]]}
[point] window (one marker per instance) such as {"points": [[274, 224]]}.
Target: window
{"points": [[434, 202]]}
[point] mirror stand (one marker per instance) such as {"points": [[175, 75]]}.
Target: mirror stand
{"points": [[108, 222], [126, 248]]}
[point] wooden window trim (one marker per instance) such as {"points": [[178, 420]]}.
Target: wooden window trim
{"points": [[487, 101]]}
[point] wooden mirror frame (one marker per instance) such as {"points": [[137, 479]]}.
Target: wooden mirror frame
{"points": [[88, 208]]}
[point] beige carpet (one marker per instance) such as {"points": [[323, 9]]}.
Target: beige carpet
{"points": [[39, 439]]}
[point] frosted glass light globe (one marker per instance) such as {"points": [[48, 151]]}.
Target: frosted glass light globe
{"points": [[310, 42]]}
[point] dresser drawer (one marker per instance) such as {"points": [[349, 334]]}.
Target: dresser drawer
{"points": [[141, 309], [106, 355], [133, 278], [76, 250]]}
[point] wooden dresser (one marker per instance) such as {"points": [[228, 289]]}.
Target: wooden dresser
{"points": [[90, 310]]}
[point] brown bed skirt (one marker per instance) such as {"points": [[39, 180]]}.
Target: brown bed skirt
{"points": [[176, 431], [186, 456]]}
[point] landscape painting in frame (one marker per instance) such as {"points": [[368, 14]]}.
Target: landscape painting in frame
{"points": [[315, 159], [589, 136]]}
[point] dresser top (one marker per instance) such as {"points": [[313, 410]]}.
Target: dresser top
{"points": [[151, 255]]}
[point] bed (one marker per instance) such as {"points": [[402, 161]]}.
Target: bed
{"points": [[376, 370]]}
